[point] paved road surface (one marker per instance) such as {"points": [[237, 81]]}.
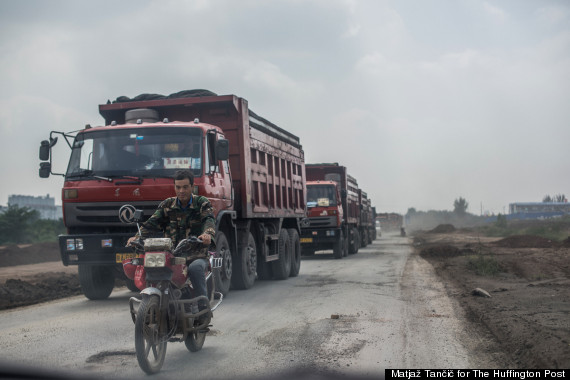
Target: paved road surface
{"points": [[393, 313]]}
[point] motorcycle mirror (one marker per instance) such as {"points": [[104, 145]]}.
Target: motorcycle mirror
{"points": [[138, 216]]}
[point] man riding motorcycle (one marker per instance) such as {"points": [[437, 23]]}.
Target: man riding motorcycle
{"points": [[181, 217]]}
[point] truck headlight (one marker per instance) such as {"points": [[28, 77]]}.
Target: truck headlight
{"points": [[155, 260], [74, 244]]}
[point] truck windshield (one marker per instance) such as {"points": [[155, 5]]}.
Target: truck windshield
{"points": [[321, 195], [142, 152]]}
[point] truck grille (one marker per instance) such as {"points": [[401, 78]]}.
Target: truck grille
{"points": [[102, 214], [325, 221]]}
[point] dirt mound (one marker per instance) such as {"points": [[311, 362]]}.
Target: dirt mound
{"points": [[440, 251], [526, 241], [528, 310], [45, 287], [24, 254], [443, 229]]}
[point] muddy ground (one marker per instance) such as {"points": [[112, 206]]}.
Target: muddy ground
{"points": [[518, 288], [528, 281]]}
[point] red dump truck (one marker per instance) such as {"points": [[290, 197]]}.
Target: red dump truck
{"points": [[366, 227], [333, 211], [251, 170]]}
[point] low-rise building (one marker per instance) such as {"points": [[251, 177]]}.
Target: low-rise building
{"points": [[44, 205]]}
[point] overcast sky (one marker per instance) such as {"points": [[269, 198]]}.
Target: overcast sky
{"points": [[423, 101]]}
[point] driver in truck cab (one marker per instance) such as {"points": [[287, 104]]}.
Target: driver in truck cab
{"points": [[181, 217]]}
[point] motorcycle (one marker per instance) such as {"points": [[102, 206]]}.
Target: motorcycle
{"points": [[168, 309]]}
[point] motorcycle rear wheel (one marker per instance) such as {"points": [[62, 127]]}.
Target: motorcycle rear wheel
{"points": [[150, 335], [195, 340]]}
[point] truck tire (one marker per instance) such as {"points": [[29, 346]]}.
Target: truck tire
{"points": [[338, 247], [354, 241], [282, 267], [96, 281], [245, 265], [295, 252], [363, 239], [223, 275]]}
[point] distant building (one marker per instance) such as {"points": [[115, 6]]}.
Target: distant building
{"points": [[45, 205], [534, 210]]}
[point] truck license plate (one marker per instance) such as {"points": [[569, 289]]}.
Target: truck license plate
{"points": [[125, 256], [306, 240]]}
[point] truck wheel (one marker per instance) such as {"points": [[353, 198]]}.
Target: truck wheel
{"points": [[295, 252], [363, 239], [245, 265], [96, 281], [354, 241], [338, 247], [345, 248], [223, 275], [282, 267]]}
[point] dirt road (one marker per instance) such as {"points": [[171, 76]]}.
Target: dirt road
{"points": [[381, 308], [524, 324]]}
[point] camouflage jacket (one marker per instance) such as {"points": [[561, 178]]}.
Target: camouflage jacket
{"points": [[178, 224]]}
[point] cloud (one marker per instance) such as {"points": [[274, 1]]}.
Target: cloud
{"points": [[496, 13], [552, 15]]}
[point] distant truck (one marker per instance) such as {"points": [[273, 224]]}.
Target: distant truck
{"points": [[366, 227], [251, 170], [333, 211]]}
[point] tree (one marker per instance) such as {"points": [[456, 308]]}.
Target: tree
{"points": [[460, 206], [16, 223], [556, 198]]}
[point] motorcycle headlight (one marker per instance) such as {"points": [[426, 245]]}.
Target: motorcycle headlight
{"points": [[155, 260]]}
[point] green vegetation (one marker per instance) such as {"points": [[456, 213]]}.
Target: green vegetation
{"points": [[22, 225], [484, 262], [557, 229], [484, 265]]}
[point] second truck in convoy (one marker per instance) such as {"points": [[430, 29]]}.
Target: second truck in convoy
{"points": [[339, 213], [251, 170]]}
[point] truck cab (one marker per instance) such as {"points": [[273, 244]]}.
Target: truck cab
{"points": [[324, 211]]}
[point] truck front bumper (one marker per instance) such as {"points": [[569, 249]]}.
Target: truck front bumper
{"points": [[319, 238], [96, 249]]}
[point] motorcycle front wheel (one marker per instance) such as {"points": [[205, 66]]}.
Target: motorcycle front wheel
{"points": [[195, 340], [150, 335]]}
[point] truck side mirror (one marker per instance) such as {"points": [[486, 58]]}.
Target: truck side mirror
{"points": [[45, 169], [222, 150], [44, 150], [343, 193]]}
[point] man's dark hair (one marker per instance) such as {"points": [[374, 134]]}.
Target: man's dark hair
{"points": [[183, 174]]}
